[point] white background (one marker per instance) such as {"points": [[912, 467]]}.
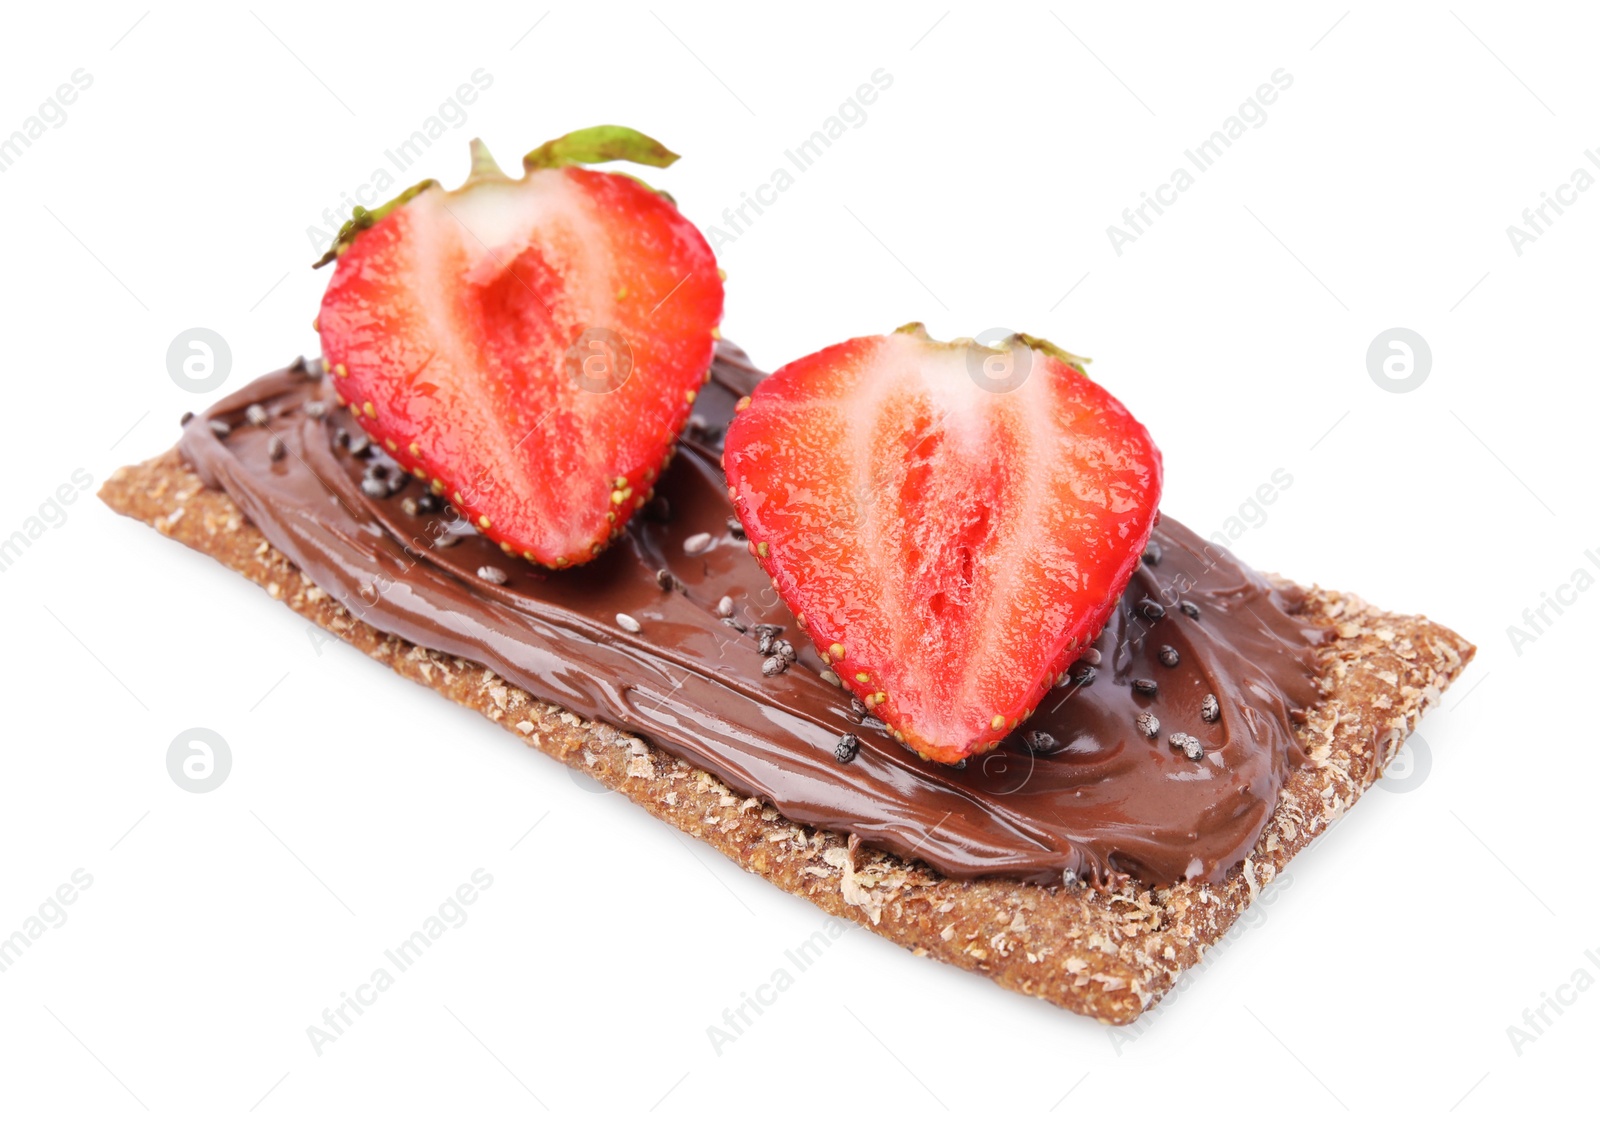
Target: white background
{"points": [[977, 194]]}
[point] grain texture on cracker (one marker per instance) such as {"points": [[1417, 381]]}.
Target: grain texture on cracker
{"points": [[1109, 955]]}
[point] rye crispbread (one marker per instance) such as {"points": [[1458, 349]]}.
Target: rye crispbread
{"points": [[1109, 955]]}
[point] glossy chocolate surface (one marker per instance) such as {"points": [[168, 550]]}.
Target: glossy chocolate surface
{"points": [[1100, 799]]}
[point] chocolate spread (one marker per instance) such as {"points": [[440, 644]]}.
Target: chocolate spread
{"points": [[1080, 790]]}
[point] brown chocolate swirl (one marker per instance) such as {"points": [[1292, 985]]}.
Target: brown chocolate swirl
{"points": [[1094, 796]]}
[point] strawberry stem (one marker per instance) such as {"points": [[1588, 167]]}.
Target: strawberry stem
{"points": [[483, 165]]}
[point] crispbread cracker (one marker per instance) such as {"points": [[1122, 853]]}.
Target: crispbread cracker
{"points": [[1110, 955]]}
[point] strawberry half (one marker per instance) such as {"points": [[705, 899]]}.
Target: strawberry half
{"points": [[532, 346], [950, 523]]}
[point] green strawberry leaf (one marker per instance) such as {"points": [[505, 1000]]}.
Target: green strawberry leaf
{"points": [[361, 218], [598, 145], [1076, 361]]}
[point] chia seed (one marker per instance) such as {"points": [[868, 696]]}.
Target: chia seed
{"points": [[1090, 655], [445, 541], [186, 418], [1152, 553], [628, 623], [1144, 685], [1039, 742], [492, 574], [784, 650], [256, 414], [1168, 656], [696, 543], [1190, 608], [359, 443], [1148, 725], [736, 624], [316, 410], [1083, 675], [724, 606], [275, 449], [774, 666], [382, 480], [664, 580], [736, 528], [831, 678], [1188, 745], [846, 749], [1150, 609], [221, 428], [857, 706], [1209, 709]]}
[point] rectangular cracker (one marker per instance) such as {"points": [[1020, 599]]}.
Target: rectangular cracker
{"points": [[1109, 955]]}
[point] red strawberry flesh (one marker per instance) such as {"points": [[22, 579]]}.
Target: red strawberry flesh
{"points": [[948, 543], [531, 347]]}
